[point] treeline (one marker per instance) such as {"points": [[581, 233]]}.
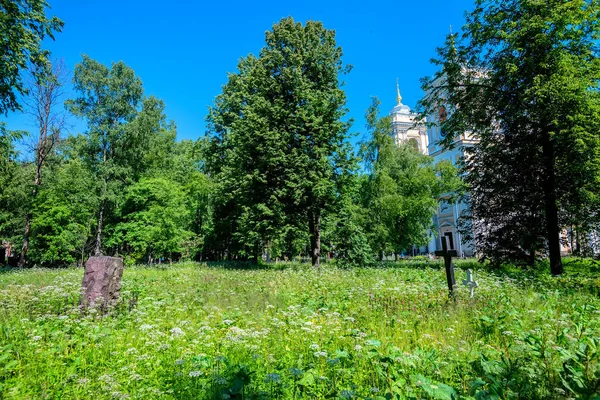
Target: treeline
{"points": [[275, 176]]}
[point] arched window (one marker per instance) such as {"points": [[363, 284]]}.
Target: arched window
{"points": [[414, 143], [442, 117]]}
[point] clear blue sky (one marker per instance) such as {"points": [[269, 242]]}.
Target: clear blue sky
{"points": [[182, 51]]}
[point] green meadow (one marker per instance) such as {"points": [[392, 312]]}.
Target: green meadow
{"points": [[222, 331]]}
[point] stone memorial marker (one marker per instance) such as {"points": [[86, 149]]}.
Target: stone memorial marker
{"points": [[448, 254], [469, 282], [102, 280]]}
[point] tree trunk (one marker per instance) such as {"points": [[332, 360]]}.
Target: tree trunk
{"points": [[531, 260], [25, 247], [551, 209], [97, 250], [314, 226], [268, 257]]}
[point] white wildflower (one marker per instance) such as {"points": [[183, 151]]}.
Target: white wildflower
{"points": [[176, 332]]}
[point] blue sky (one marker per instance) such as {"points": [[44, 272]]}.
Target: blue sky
{"points": [[183, 51]]}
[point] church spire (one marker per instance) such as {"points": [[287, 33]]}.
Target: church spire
{"points": [[398, 97]]}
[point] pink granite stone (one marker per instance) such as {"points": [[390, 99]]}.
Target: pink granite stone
{"points": [[102, 280]]}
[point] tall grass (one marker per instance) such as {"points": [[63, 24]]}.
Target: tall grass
{"points": [[215, 332]]}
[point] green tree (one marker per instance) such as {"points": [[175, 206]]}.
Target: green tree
{"points": [[155, 219], [108, 99], [279, 146], [526, 73], [64, 214], [186, 169], [23, 26], [402, 189]]}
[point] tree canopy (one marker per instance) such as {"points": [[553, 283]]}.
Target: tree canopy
{"points": [[23, 27]]}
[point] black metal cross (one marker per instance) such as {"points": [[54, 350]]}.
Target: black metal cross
{"points": [[448, 254]]}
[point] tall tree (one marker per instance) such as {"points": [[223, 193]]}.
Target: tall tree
{"points": [[530, 70], [108, 100], [23, 26], [45, 92], [280, 145]]}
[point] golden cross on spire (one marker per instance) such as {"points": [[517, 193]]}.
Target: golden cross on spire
{"points": [[398, 97]]}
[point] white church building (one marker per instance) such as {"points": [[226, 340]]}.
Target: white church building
{"points": [[407, 129]]}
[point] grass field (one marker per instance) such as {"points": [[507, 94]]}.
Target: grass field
{"points": [[209, 332]]}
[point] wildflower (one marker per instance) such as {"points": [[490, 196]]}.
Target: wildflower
{"points": [[179, 362], [358, 347], [36, 338], [508, 333], [227, 321], [175, 332], [83, 381], [135, 377], [320, 354], [146, 327], [195, 374], [314, 346], [374, 390]]}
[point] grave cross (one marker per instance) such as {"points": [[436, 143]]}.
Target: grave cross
{"points": [[448, 254], [469, 282]]}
